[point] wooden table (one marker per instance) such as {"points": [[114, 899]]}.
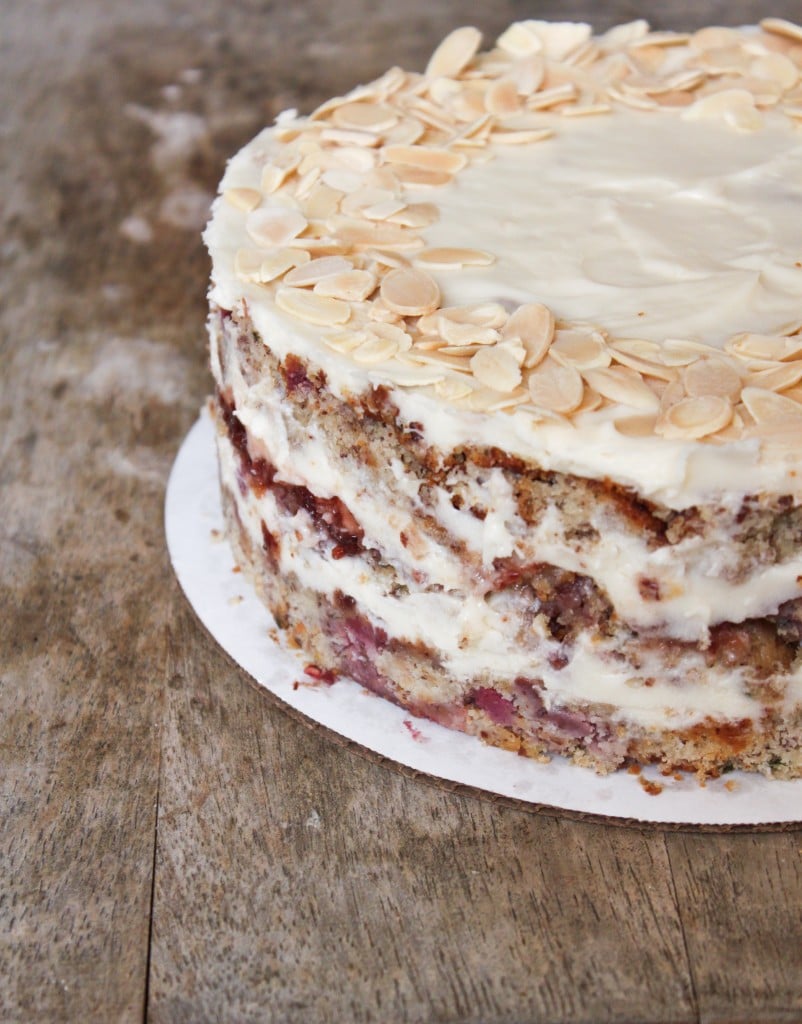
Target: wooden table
{"points": [[174, 847]]}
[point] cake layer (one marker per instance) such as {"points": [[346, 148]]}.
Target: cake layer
{"points": [[495, 622]]}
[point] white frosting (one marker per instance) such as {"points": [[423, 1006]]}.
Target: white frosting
{"points": [[693, 225], [650, 229]]}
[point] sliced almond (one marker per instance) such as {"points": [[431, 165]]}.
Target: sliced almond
{"points": [[421, 177], [374, 350], [778, 378], [781, 27], [315, 270], [392, 332], [246, 199], [695, 417], [533, 324], [453, 388], [735, 107], [776, 68], [555, 387], [502, 98], [679, 352], [456, 333], [496, 368], [636, 426], [416, 215], [528, 73], [768, 407], [274, 226], [624, 386], [454, 258], [521, 138], [350, 285], [766, 347], [585, 350], [365, 116], [440, 160], [344, 341], [314, 309], [481, 314], [455, 52], [712, 377], [410, 292]]}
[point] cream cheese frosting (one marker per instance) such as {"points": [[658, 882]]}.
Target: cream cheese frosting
{"points": [[663, 240]]}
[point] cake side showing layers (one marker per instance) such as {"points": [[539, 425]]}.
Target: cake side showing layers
{"points": [[526, 465], [337, 512]]}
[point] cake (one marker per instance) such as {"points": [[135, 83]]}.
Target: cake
{"points": [[508, 364]]}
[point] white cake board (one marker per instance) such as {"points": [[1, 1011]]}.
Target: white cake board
{"points": [[227, 605]]}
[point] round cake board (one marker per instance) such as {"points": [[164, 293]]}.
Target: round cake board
{"points": [[227, 605]]}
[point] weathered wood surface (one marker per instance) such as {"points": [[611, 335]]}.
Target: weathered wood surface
{"points": [[172, 846]]}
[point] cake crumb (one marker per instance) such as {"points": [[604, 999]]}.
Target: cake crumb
{"points": [[652, 788]]}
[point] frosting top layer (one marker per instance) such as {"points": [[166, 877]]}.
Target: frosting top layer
{"points": [[580, 250]]}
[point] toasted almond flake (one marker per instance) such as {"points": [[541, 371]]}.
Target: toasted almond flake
{"points": [[776, 68], [781, 27], [586, 110], [410, 292], [555, 387], [449, 350], [662, 39], [343, 180], [695, 417], [528, 73], [455, 258], [361, 161], [481, 314], [621, 36], [645, 367], [315, 270], [438, 160], [509, 401], [374, 117], [366, 234], [420, 177], [314, 309], [636, 426], [521, 138], [585, 350], [350, 137], [520, 40], [385, 209], [391, 332], [550, 97], [306, 183], [277, 263], [405, 375], [344, 341], [453, 388], [455, 52], [766, 347], [405, 133], [767, 407], [321, 203], [456, 333], [778, 378], [502, 98], [356, 202], [318, 246], [533, 324], [735, 107], [274, 226], [712, 377], [637, 102], [624, 386], [721, 60], [515, 348], [436, 358], [350, 285], [275, 174], [248, 263], [385, 258], [374, 350], [679, 352], [416, 215], [713, 38], [496, 368], [246, 199], [443, 90]]}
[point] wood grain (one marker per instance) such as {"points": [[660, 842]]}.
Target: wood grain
{"points": [[172, 846]]}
